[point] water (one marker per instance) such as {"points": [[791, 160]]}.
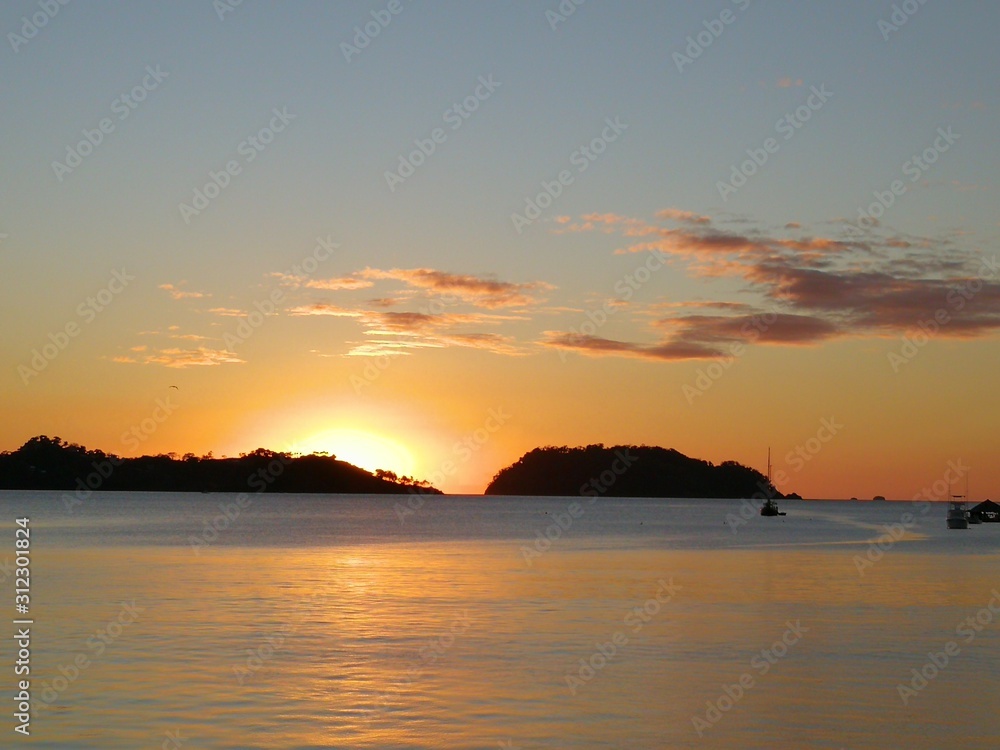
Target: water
{"points": [[340, 622]]}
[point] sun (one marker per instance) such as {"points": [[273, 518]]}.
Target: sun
{"points": [[364, 449]]}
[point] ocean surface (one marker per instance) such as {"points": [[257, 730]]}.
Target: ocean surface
{"points": [[301, 621]]}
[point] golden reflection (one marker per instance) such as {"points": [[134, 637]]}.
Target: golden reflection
{"points": [[461, 644]]}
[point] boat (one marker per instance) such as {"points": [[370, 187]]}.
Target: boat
{"points": [[770, 506], [986, 512], [958, 517]]}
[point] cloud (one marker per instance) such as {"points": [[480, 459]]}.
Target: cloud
{"points": [[704, 336], [385, 301], [595, 346], [882, 303], [178, 293], [389, 348], [228, 312], [348, 283], [858, 282], [787, 82], [687, 217], [181, 358], [398, 333], [389, 322], [475, 290], [189, 337], [322, 308], [491, 342]]}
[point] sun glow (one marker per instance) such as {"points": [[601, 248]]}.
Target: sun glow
{"points": [[362, 449]]}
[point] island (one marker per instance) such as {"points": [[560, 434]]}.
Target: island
{"points": [[45, 463], [627, 471]]}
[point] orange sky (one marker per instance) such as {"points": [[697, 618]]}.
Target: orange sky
{"points": [[371, 255]]}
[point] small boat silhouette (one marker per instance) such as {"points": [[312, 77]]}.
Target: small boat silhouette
{"points": [[770, 506]]}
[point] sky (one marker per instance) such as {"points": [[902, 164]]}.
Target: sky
{"points": [[428, 237]]}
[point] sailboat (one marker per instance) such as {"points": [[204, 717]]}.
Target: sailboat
{"points": [[770, 507]]}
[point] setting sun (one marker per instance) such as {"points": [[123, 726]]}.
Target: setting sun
{"points": [[362, 449]]}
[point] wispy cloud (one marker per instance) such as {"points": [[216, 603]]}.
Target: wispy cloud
{"points": [[338, 284], [324, 308], [228, 312], [399, 332], [181, 358], [479, 291], [491, 342], [703, 336], [177, 293]]}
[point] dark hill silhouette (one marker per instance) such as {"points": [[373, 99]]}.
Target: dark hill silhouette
{"points": [[626, 471], [45, 463]]}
